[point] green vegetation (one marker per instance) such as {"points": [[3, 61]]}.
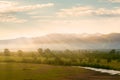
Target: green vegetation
{"points": [[98, 59], [21, 65]]}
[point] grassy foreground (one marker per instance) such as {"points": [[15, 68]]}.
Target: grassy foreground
{"points": [[27, 71]]}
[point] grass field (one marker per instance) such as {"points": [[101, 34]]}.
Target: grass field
{"points": [[29, 71], [87, 58], [57, 65]]}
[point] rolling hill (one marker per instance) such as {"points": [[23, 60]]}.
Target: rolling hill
{"points": [[65, 41]]}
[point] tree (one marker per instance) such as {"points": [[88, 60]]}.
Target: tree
{"points": [[40, 50], [47, 50], [20, 53], [112, 51], [6, 52], [67, 51]]}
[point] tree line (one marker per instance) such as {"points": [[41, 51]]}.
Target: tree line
{"points": [[101, 59]]}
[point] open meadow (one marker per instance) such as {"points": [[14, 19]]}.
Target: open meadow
{"points": [[31, 71], [58, 65]]}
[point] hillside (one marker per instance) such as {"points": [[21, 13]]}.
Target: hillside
{"points": [[65, 41]]}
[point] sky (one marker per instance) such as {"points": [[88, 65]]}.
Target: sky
{"points": [[31, 18]]}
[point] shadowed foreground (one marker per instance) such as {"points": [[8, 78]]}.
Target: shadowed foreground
{"points": [[26, 71]]}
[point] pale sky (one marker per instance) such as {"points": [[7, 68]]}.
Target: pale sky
{"points": [[30, 18]]}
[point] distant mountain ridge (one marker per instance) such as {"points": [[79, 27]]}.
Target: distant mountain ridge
{"points": [[66, 41]]}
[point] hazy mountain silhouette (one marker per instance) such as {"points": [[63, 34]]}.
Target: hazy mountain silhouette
{"points": [[66, 41]]}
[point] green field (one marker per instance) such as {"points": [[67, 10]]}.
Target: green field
{"points": [[57, 65], [27, 71]]}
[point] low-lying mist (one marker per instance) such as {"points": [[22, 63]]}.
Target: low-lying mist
{"points": [[64, 41]]}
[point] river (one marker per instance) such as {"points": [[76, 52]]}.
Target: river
{"points": [[111, 72]]}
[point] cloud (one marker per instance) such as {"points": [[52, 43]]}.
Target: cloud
{"points": [[88, 11], [10, 8], [4, 4], [107, 12], [11, 18], [114, 1], [42, 17], [75, 11], [92, 25]]}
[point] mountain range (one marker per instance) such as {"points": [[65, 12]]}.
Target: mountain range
{"points": [[65, 41]]}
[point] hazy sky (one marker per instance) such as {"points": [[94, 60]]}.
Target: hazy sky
{"points": [[27, 18]]}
